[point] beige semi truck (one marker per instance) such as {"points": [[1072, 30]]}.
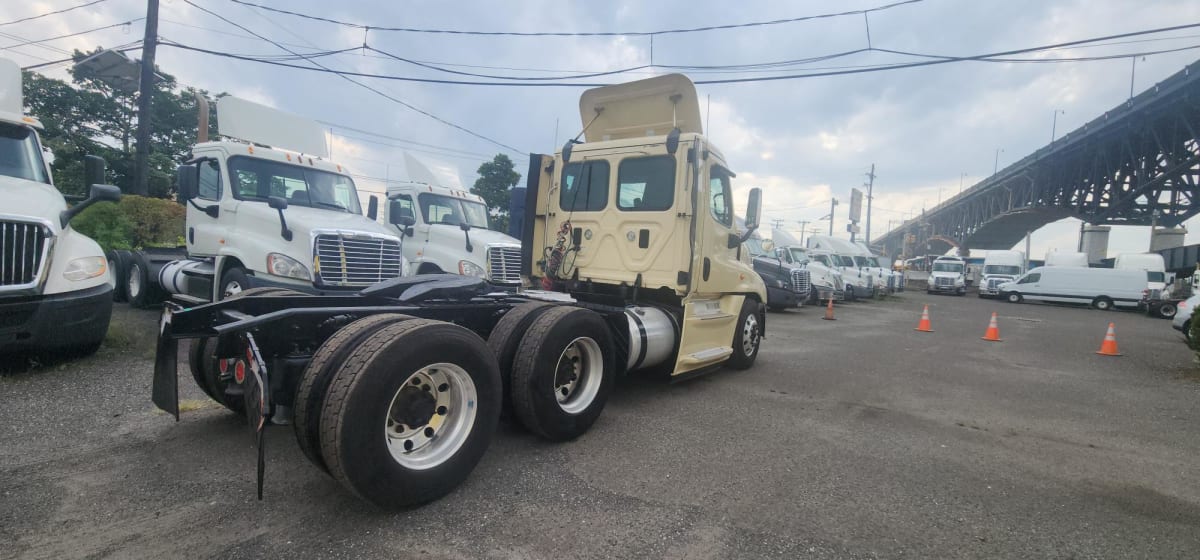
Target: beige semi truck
{"points": [[631, 258]]}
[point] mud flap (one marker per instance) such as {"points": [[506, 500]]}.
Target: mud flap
{"points": [[165, 389], [258, 404]]}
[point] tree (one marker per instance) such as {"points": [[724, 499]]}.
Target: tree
{"points": [[88, 116], [496, 178]]}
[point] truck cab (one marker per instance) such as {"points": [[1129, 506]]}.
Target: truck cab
{"points": [[948, 274], [787, 282], [642, 212], [450, 233], [860, 280], [55, 286], [826, 280], [266, 207], [1000, 267]]}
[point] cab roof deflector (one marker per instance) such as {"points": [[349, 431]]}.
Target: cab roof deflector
{"points": [[650, 107]]}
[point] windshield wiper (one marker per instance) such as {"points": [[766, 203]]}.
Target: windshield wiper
{"points": [[329, 205]]}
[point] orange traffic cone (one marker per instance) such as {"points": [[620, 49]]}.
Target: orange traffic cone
{"points": [[1109, 346], [829, 311], [993, 330], [925, 325]]}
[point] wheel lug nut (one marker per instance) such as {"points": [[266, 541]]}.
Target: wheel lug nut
{"points": [[441, 410], [443, 387], [428, 432], [408, 445]]}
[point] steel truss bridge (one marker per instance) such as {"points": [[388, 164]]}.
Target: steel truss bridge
{"points": [[1137, 164]]}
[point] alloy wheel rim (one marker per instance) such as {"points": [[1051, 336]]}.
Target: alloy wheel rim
{"points": [[431, 415]]}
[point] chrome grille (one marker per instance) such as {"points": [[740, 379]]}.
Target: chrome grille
{"points": [[504, 264], [348, 260], [994, 283], [23, 247], [800, 281], [943, 281]]}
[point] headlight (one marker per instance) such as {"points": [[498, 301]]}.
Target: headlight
{"points": [[283, 265], [468, 268], [84, 268]]}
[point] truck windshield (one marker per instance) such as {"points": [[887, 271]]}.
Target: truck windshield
{"points": [[257, 179], [754, 246], [947, 267], [1001, 269], [798, 255], [823, 259], [1155, 276], [20, 155], [442, 209], [862, 261]]}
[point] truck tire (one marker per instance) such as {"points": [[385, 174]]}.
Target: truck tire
{"points": [[850, 293], [563, 373], [1014, 297], [233, 281], [506, 338], [206, 368], [410, 413], [141, 289], [314, 382], [1166, 310], [116, 274], [747, 338], [1102, 303]]}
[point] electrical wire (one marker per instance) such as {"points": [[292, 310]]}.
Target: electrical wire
{"points": [[396, 139], [75, 34], [55, 12], [576, 33], [360, 84], [136, 45], [525, 82]]}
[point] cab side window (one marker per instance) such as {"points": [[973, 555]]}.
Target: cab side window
{"points": [[402, 206], [209, 187], [720, 197]]}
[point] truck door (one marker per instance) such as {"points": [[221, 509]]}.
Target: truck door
{"points": [[204, 232], [715, 269]]}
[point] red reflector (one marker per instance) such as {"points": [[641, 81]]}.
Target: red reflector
{"points": [[239, 372], [224, 365]]}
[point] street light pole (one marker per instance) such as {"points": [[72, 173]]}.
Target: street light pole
{"points": [[870, 195], [996, 165], [961, 176], [1054, 125], [832, 205]]}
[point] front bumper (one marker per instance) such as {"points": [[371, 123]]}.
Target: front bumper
{"points": [[783, 297], [55, 321], [946, 288]]}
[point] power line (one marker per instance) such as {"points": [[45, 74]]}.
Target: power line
{"points": [[75, 34], [520, 82], [136, 45], [56, 12], [575, 33], [396, 139], [360, 84]]}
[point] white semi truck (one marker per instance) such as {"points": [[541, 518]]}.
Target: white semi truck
{"points": [[859, 280], [450, 231], [266, 208], [55, 290], [1000, 267]]}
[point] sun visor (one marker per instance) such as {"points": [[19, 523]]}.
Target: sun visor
{"points": [[650, 107], [260, 124]]}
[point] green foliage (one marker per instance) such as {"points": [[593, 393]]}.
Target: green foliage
{"points": [[88, 116], [107, 224], [1194, 336], [134, 223], [496, 178]]}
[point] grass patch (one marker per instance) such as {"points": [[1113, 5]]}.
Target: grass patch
{"points": [[119, 337]]}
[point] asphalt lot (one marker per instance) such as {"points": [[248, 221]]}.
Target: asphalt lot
{"points": [[859, 438]]}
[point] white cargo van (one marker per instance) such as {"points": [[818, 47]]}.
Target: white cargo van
{"points": [[1157, 284], [1102, 288], [1000, 267]]}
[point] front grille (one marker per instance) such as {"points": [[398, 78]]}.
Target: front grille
{"points": [[943, 281], [347, 260], [800, 281], [994, 283], [505, 264], [22, 252]]}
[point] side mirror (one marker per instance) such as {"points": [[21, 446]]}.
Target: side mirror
{"points": [[464, 226], [673, 141], [98, 193], [187, 179], [397, 216], [373, 207], [754, 209], [280, 204], [769, 246], [93, 170], [566, 151]]}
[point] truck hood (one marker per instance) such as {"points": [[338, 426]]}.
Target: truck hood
{"points": [[304, 220], [479, 237], [945, 274], [29, 198]]}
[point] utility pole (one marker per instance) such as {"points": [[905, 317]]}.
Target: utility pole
{"points": [[870, 189], [996, 166], [145, 95], [1054, 124], [777, 223], [832, 205], [802, 224]]}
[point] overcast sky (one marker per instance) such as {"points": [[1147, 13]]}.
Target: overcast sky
{"points": [[927, 130]]}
